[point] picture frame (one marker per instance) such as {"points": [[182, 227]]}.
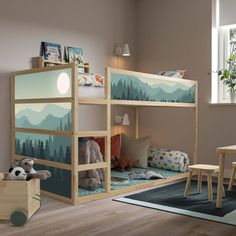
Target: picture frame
{"points": [[51, 51]]}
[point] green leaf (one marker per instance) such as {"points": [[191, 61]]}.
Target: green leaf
{"points": [[232, 57], [226, 74]]}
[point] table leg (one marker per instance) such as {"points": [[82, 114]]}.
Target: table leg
{"points": [[199, 182], [186, 192], [220, 180], [209, 186]]}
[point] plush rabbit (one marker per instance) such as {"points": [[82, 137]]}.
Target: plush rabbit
{"points": [[89, 152]]}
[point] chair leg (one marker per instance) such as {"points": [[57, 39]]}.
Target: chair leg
{"points": [[199, 182], [223, 191], [232, 178], [209, 183], [187, 187]]}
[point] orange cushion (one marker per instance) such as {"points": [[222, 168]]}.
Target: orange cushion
{"points": [[115, 145]]}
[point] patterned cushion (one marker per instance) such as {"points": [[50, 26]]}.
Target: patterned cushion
{"points": [[168, 159]]}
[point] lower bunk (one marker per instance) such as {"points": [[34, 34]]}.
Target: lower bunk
{"points": [[121, 183]]}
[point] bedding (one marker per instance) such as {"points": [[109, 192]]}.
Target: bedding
{"points": [[173, 73], [90, 80], [168, 159], [91, 92]]}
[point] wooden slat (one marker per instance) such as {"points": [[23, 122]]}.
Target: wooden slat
{"points": [[93, 101], [41, 131], [93, 166], [152, 104], [41, 62], [46, 163], [56, 196], [44, 69], [44, 100], [92, 133]]}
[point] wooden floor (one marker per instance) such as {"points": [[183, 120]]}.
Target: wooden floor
{"points": [[107, 217]]}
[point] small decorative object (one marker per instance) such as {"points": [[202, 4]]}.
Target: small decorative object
{"points": [[27, 165], [17, 173], [75, 55], [228, 75], [122, 120], [51, 51]]}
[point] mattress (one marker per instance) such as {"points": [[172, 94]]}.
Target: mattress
{"points": [[91, 92]]}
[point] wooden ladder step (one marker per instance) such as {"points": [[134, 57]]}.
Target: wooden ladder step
{"points": [[103, 133], [92, 101]]}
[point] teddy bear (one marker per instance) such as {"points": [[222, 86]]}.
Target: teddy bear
{"points": [[89, 152], [27, 165], [17, 173], [123, 163]]}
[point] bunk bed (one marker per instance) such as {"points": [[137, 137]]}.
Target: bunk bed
{"points": [[44, 123]]}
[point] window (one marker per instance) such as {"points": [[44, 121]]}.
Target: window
{"points": [[227, 45]]}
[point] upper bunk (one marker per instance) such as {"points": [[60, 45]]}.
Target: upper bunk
{"points": [[120, 87]]}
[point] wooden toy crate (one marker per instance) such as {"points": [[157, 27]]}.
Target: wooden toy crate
{"points": [[18, 196]]}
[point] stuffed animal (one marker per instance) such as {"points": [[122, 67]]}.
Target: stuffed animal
{"points": [[123, 163], [17, 173], [27, 164], [89, 152]]}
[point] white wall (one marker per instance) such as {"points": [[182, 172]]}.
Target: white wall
{"points": [[96, 26], [177, 35], [227, 12]]}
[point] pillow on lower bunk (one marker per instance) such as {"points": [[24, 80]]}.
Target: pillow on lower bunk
{"points": [[115, 145], [168, 159], [136, 149]]}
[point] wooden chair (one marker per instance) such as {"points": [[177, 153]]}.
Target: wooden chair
{"points": [[232, 176], [202, 169]]}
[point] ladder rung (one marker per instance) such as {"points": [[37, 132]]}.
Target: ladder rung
{"points": [[93, 133], [92, 101]]}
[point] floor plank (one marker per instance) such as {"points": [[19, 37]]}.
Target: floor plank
{"points": [[110, 218]]}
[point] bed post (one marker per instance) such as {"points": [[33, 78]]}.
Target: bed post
{"points": [[74, 117], [108, 128], [12, 122], [136, 122], [195, 123]]}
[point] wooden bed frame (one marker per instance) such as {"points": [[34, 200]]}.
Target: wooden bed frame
{"points": [[74, 134]]}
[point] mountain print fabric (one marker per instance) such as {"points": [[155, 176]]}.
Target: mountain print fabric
{"points": [[168, 159], [127, 87]]}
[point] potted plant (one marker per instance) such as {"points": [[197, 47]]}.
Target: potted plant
{"points": [[228, 74]]}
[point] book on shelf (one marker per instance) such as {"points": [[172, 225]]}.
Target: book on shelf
{"points": [[51, 51], [148, 175], [73, 54]]}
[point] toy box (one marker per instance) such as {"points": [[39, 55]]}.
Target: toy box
{"points": [[18, 199]]}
